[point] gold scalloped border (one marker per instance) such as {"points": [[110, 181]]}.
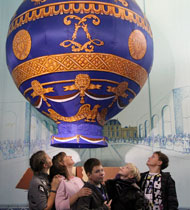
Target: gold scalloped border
{"points": [[94, 7], [79, 62]]}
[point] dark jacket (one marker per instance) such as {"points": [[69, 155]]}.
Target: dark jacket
{"points": [[95, 201], [168, 190], [126, 195], [38, 192]]}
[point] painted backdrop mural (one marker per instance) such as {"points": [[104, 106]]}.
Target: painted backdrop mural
{"points": [[157, 119]]}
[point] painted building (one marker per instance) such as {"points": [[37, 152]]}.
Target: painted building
{"points": [[113, 130]]}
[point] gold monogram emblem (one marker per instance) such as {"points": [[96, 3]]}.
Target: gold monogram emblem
{"points": [[89, 45], [82, 83], [137, 44], [22, 44]]}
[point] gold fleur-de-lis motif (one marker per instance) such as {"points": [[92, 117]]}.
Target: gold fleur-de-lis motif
{"points": [[38, 1], [40, 91], [89, 45], [82, 83]]}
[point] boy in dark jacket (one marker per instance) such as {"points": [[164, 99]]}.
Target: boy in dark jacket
{"points": [[98, 200], [124, 192], [158, 186]]}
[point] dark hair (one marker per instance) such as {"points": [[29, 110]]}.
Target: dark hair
{"points": [[37, 161], [90, 163], [164, 158], [58, 168]]}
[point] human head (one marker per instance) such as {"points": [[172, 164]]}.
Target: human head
{"points": [[129, 171], [94, 171], [158, 159], [40, 162], [164, 158], [58, 159], [58, 166]]}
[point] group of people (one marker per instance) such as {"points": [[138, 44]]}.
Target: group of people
{"points": [[128, 190]]}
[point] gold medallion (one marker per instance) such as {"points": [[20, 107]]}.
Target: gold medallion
{"points": [[137, 44], [22, 44]]}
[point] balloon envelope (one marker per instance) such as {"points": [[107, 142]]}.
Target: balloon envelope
{"points": [[79, 62]]}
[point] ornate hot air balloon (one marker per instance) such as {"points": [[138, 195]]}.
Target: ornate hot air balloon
{"points": [[79, 62]]}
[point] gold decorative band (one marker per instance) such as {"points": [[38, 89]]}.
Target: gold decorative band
{"points": [[79, 62], [70, 81], [70, 7]]}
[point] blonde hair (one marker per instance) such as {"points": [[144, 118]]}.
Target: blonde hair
{"points": [[134, 171]]}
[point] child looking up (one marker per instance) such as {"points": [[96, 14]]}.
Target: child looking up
{"points": [[124, 192]]}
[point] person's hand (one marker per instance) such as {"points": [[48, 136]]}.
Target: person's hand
{"points": [[85, 191], [55, 182], [108, 204]]}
